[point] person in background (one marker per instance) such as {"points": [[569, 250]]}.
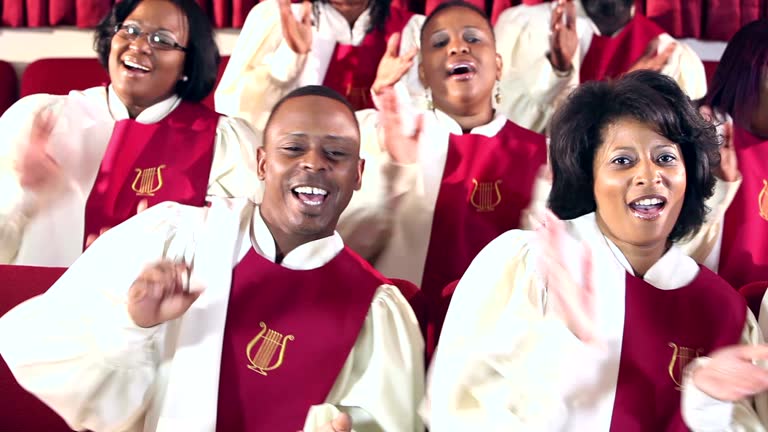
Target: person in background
{"points": [[73, 166], [550, 48], [209, 319]]}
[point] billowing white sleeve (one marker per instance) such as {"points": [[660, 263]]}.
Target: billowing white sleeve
{"points": [[685, 67], [703, 413], [382, 381], [18, 205], [494, 369], [261, 69], [233, 172], [411, 38], [529, 85], [366, 223], [75, 347]]}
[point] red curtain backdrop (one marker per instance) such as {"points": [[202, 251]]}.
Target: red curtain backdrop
{"points": [[702, 19]]}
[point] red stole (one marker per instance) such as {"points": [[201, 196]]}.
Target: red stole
{"points": [[744, 252], [287, 336], [165, 161], [352, 69], [487, 182], [611, 56], [663, 331]]}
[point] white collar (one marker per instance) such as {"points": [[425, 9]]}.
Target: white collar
{"points": [[333, 23], [308, 256], [580, 12], [152, 114], [488, 129], [673, 270]]}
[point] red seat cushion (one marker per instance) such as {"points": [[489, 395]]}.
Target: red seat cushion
{"points": [[19, 410], [61, 75], [9, 86]]}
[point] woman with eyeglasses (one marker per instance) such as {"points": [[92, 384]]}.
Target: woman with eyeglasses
{"points": [[73, 166]]}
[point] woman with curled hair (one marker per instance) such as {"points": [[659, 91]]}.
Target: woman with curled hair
{"points": [[73, 166], [597, 320], [338, 43]]}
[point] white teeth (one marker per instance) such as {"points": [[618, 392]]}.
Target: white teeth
{"points": [[135, 65], [311, 203], [649, 202], [307, 190]]}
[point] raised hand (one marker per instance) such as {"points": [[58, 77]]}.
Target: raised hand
{"points": [[392, 66], [728, 170], [161, 293], [341, 423], [652, 59], [297, 34], [36, 168], [731, 375], [402, 148], [563, 39], [571, 301]]}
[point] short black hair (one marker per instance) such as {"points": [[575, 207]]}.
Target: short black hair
{"points": [[379, 13], [310, 90], [201, 62], [456, 4], [578, 129]]}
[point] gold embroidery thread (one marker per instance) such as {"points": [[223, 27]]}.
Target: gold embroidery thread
{"points": [[274, 344], [681, 357], [761, 201], [485, 196], [144, 184]]}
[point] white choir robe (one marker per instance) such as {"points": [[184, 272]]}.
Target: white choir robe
{"points": [[505, 363], [49, 231], [263, 68], [76, 348], [530, 88], [396, 205]]}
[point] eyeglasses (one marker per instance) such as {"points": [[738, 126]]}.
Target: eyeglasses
{"points": [[160, 39]]}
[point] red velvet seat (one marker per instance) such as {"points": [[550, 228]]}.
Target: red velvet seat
{"points": [[19, 410], [61, 75], [9, 86], [753, 292]]}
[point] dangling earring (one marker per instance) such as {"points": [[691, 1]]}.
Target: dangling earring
{"points": [[428, 96], [497, 96]]}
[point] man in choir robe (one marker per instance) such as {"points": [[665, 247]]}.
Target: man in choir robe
{"points": [[598, 321], [550, 48], [335, 43], [72, 166], [233, 317]]}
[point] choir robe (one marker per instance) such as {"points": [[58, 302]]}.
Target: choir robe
{"points": [[49, 230], [506, 363], [263, 68], [76, 348], [531, 89]]}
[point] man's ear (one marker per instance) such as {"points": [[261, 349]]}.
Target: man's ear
{"points": [[261, 162], [360, 169]]}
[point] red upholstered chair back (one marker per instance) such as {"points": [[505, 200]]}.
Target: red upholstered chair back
{"points": [[19, 410], [9, 86], [62, 75], [753, 292]]}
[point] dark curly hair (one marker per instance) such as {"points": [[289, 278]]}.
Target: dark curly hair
{"points": [[578, 129], [379, 13], [201, 63]]}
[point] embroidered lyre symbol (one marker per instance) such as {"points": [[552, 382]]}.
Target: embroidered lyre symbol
{"points": [[761, 201], [681, 356], [262, 360], [485, 196], [144, 184]]}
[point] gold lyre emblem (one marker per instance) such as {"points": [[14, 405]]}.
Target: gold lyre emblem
{"points": [[761, 201], [145, 184], [264, 358], [681, 357], [485, 196]]}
